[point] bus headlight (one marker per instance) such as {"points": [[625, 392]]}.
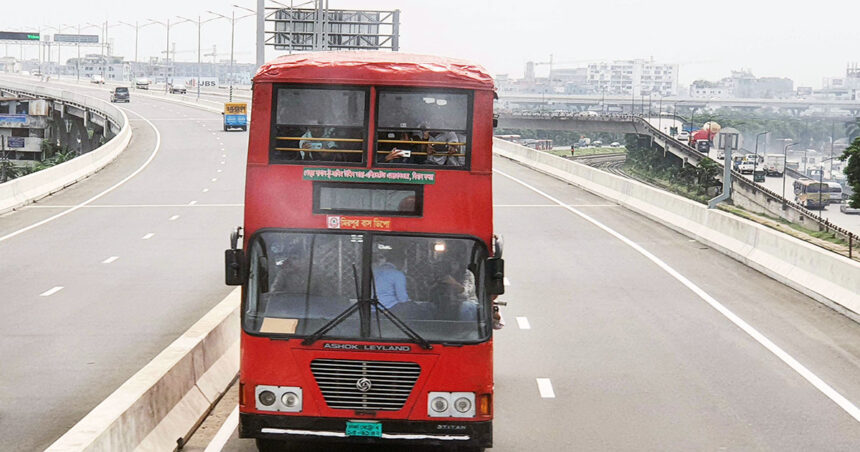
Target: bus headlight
{"points": [[267, 398], [451, 404], [438, 404], [464, 404], [279, 398], [290, 399]]}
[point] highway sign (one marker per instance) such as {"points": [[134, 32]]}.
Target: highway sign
{"points": [[76, 38], [18, 36]]}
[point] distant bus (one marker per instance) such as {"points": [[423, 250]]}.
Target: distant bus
{"points": [[811, 194]]}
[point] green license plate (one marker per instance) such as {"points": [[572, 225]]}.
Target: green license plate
{"points": [[373, 429]]}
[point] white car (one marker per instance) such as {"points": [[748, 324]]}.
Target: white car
{"points": [[683, 136], [97, 79], [846, 209]]}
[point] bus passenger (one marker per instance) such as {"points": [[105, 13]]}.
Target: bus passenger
{"points": [[444, 154], [455, 285], [317, 132], [390, 284], [389, 280]]}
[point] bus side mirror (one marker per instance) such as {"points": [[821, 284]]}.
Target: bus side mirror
{"points": [[495, 276], [234, 267], [235, 270]]}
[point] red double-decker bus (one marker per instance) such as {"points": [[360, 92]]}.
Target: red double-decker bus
{"points": [[368, 265]]}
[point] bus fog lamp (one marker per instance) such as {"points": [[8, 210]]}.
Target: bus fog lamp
{"points": [[267, 398]]}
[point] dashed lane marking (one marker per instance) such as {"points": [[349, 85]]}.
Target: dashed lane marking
{"points": [[175, 217], [545, 388], [50, 292], [523, 323], [110, 259], [148, 236]]}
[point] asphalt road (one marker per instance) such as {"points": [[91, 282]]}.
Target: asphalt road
{"points": [[638, 360], [636, 356], [92, 296]]}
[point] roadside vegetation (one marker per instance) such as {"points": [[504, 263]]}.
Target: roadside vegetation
{"points": [[54, 155], [648, 164], [852, 169]]}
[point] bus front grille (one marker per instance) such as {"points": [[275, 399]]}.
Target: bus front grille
{"points": [[365, 385]]}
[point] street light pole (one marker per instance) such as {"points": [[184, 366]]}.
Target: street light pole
{"points": [[755, 163], [784, 167]]}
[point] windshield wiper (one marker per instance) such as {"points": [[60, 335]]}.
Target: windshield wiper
{"points": [[316, 335], [379, 308]]}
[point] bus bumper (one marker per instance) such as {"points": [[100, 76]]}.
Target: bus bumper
{"points": [[311, 429]]}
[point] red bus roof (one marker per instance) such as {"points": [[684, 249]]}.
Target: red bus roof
{"points": [[377, 68]]}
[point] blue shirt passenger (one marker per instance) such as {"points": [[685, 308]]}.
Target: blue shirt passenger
{"points": [[390, 284]]}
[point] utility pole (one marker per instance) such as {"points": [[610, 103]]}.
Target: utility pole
{"points": [[261, 35]]}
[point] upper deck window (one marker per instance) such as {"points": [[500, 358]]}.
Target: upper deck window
{"points": [[429, 128], [319, 125]]}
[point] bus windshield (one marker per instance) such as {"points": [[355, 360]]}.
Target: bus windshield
{"points": [[319, 125], [300, 281], [423, 128]]}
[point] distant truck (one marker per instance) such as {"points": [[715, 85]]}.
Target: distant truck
{"points": [[141, 83], [235, 116], [774, 164]]}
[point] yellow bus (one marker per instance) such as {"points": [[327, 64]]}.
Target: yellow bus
{"points": [[811, 194]]}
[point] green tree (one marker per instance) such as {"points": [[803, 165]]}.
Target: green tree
{"points": [[852, 170]]}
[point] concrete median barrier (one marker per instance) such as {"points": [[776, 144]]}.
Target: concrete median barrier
{"points": [[34, 186], [825, 276], [161, 405]]}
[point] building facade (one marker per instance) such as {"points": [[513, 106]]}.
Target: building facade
{"points": [[633, 77]]}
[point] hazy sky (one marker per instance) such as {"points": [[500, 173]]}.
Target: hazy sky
{"points": [[801, 40]]}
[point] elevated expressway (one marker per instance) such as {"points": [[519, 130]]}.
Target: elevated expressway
{"points": [[614, 311], [628, 103]]}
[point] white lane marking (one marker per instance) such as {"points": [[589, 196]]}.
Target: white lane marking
{"points": [[816, 381], [205, 190], [220, 170], [135, 173], [506, 281], [523, 323], [223, 155], [225, 432], [50, 292], [148, 236], [214, 179], [110, 259], [192, 203], [173, 218], [545, 388]]}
